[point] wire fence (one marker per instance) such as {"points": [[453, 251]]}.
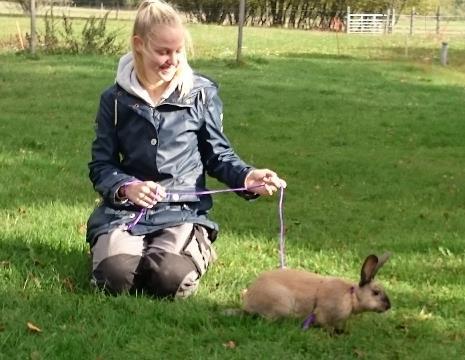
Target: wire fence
{"points": [[412, 24], [71, 11], [429, 24]]}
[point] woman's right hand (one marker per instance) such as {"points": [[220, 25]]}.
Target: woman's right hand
{"points": [[144, 193]]}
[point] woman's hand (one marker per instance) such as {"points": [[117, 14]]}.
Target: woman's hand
{"points": [[143, 193], [263, 182]]}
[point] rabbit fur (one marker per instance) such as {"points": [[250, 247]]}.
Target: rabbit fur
{"points": [[323, 300]]}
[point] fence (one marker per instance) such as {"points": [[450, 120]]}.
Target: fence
{"points": [[353, 23], [72, 11], [404, 24], [419, 24], [369, 23]]}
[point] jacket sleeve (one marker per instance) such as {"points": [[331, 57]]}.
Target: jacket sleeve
{"points": [[104, 168], [219, 158]]}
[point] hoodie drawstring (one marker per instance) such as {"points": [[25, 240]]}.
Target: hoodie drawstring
{"points": [[116, 111], [202, 92]]}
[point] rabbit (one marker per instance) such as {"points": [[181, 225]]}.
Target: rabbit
{"points": [[321, 300]]}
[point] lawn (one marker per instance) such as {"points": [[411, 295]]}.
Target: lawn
{"points": [[368, 135]]}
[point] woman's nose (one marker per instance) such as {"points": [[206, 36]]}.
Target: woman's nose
{"points": [[173, 58]]}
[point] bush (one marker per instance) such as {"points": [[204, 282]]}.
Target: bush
{"points": [[60, 37]]}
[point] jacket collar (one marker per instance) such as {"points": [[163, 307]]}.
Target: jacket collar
{"points": [[174, 99]]}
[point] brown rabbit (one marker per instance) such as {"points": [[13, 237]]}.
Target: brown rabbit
{"points": [[320, 300]]}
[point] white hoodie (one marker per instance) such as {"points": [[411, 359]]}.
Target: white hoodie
{"points": [[126, 78]]}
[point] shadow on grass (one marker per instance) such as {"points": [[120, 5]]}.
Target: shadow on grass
{"points": [[29, 264]]}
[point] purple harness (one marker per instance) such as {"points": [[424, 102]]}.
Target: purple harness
{"points": [[311, 319]]}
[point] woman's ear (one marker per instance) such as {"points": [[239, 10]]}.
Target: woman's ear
{"points": [[138, 43]]}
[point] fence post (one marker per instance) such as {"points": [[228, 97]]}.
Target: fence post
{"points": [[239, 35], [438, 17], [443, 56], [348, 20], [33, 28], [386, 24], [393, 21], [412, 13]]}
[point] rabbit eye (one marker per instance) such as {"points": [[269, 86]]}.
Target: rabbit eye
{"points": [[375, 292]]}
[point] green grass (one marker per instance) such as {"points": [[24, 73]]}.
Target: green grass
{"points": [[369, 141]]}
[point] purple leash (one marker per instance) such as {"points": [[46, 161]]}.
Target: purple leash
{"points": [[282, 254], [282, 251], [192, 193]]}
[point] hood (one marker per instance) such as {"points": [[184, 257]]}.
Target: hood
{"points": [[126, 78]]}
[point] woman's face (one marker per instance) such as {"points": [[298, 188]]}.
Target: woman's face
{"points": [[162, 53]]}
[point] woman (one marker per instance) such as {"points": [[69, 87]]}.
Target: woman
{"points": [[158, 132]]}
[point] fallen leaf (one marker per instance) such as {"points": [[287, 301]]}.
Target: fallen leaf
{"points": [[82, 228], [230, 344], [33, 328], [425, 315], [68, 283], [359, 353]]}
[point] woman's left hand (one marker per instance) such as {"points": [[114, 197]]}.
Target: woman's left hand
{"points": [[263, 182]]}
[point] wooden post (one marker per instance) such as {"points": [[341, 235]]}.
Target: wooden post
{"points": [[20, 35], [241, 25], [412, 14], [393, 21], [386, 24], [443, 56], [33, 28], [438, 17], [348, 20]]}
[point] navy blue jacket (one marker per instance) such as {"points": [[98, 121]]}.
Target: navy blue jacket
{"points": [[175, 144]]}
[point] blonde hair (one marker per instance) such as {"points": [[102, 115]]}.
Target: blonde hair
{"points": [[157, 12]]}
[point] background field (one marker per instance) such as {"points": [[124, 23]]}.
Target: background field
{"points": [[367, 131]]}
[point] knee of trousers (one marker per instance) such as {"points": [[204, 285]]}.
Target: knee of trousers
{"points": [[116, 274], [165, 273]]}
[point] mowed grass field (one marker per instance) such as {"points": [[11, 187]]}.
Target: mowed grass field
{"points": [[368, 133]]}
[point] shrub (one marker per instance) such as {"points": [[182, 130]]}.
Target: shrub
{"points": [[60, 37]]}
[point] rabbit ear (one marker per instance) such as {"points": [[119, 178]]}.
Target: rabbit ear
{"points": [[371, 266], [369, 269], [381, 260]]}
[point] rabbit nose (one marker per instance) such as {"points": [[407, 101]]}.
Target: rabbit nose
{"points": [[387, 303]]}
